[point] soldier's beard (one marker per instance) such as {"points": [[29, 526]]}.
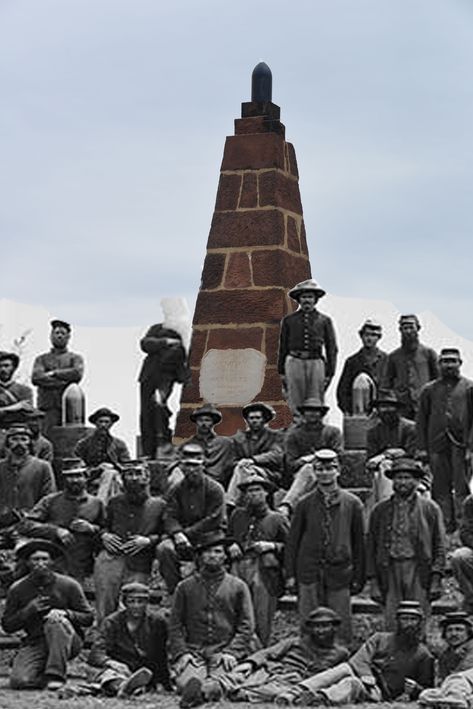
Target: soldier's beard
{"points": [[408, 637], [137, 492], [390, 419], [41, 576]]}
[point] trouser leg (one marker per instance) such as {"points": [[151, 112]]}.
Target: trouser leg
{"points": [[294, 372], [315, 378], [308, 599], [328, 677], [403, 585], [339, 600], [442, 487], [304, 481], [264, 603], [168, 564], [348, 691], [460, 482], [462, 567], [28, 666], [148, 405], [63, 643], [196, 667], [109, 573]]}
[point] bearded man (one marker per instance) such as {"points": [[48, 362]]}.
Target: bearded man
{"points": [[388, 666], [100, 446], [134, 523], [15, 398], [52, 610]]}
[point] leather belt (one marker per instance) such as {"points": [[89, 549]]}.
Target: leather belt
{"points": [[305, 354]]}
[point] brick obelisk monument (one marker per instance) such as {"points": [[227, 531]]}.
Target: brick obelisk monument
{"points": [[256, 251]]}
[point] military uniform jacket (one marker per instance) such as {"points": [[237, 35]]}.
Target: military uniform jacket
{"points": [[445, 414], [310, 332], [71, 369], [407, 371], [355, 365]]}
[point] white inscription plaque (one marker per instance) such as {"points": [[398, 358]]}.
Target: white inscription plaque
{"points": [[231, 377]]}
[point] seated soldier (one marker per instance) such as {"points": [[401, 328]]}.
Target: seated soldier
{"points": [[462, 558], [388, 666], [455, 665], [274, 671], [100, 446], [134, 523], [52, 610], [218, 450], [257, 552], [71, 518], [301, 443], [41, 447], [129, 651], [212, 624], [195, 506], [258, 445]]}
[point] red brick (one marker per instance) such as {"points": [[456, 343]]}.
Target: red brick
{"points": [[235, 338], [258, 228], [283, 416], [249, 126], [292, 160], [278, 268], [271, 390], [271, 344], [253, 152], [228, 192], [238, 273], [199, 338], [212, 272], [249, 194], [293, 242], [278, 190], [304, 247], [185, 428], [232, 420], [240, 306], [191, 393]]}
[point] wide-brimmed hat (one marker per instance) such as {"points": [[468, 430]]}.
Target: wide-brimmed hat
{"points": [[405, 465], [10, 355], [386, 397], [212, 539], [410, 608], [135, 588], [256, 477], [206, 410], [25, 550], [456, 618], [104, 411], [308, 286], [313, 403], [60, 323], [267, 411], [323, 615]]}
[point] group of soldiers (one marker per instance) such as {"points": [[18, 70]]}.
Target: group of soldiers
{"points": [[233, 522]]}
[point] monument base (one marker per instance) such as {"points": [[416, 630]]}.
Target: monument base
{"points": [[355, 429]]}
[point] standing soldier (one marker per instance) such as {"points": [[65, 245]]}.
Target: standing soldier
{"points": [[369, 360], [444, 425], [307, 347], [409, 367], [53, 371]]}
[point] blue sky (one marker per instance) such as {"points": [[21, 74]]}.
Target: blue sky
{"points": [[113, 116]]}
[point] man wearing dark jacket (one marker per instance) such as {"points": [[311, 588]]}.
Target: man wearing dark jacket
{"points": [[212, 624], [134, 524], [387, 666], [276, 670], [165, 363], [258, 550], [195, 506], [369, 360], [445, 428], [53, 611], [258, 445], [307, 347], [218, 450], [406, 544], [409, 367], [130, 651], [462, 558], [15, 399], [100, 446], [325, 551]]}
